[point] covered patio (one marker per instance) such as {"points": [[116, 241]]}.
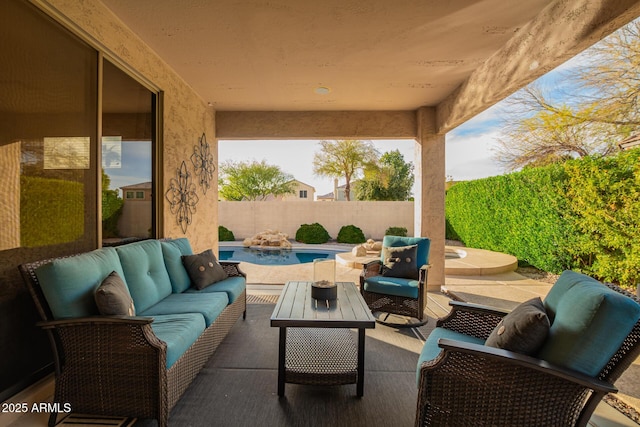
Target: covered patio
{"points": [[249, 70]]}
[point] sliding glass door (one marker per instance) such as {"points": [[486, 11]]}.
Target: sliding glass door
{"points": [[128, 146]]}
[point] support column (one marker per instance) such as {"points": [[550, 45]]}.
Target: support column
{"points": [[429, 217]]}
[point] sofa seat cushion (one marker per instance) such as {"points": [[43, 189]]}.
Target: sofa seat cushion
{"points": [[69, 284], [179, 331], [392, 286], [145, 273], [589, 323], [430, 350], [232, 286], [172, 252], [209, 305]]}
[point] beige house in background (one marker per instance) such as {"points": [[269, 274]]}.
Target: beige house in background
{"points": [[135, 220], [338, 193], [301, 192]]}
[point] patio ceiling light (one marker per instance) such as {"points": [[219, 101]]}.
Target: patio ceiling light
{"points": [[322, 90]]}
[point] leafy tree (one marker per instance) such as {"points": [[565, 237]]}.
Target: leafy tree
{"points": [[390, 179], [603, 107], [551, 133], [344, 158], [111, 208], [253, 181]]}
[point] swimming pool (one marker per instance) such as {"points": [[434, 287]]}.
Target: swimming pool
{"points": [[275, 256]]}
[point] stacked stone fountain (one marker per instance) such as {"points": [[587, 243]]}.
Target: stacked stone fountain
{"points": [[270, 238]]}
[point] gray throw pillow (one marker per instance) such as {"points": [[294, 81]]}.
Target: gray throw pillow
{"points": [[524, 330], [400, 261], [203, 269], [113, 297]]}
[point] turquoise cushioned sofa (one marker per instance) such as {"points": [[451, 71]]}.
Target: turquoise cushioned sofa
{"points": [[594, 335], [131, 366]]}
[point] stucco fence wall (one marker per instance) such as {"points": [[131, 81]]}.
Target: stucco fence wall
{"points": [[245, 219]]}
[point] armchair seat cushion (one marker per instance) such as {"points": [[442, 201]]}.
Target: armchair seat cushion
{"points": [[392, 286], [430, 350], [179, 331], [208, 305]]}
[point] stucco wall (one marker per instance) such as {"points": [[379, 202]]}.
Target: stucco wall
{"points": [[186, 116], [248, 218]]}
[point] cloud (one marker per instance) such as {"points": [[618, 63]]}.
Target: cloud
{"points": [[470, 156]]}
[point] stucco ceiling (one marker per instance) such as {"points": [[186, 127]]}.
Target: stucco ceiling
{"points": [[272, 55]]}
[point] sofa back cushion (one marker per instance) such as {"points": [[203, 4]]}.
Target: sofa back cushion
{"points": [[172, 251], [69, 284], [144, 272], [589, 322]]}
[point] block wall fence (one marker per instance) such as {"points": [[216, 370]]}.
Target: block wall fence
{"points": [[245, 219]]}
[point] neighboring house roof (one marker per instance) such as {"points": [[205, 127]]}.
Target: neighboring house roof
{"points": [[632, 141], [302, 183], [327, 196], [140, 186]]}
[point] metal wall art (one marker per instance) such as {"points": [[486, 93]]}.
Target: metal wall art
{"points": [[203, 163], [182, 197]]}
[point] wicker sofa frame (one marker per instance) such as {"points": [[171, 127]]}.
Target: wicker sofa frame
{"points": [[115, 365], [470, 384]]}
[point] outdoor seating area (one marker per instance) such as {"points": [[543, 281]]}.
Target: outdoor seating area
{"points": [[454, 371]]}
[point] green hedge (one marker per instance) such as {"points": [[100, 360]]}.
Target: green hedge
{"points": [[312, 233], [350, 234], [582, 215], [225, 235], [396, 231]]}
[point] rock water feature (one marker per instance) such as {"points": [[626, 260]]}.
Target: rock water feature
{"points": [[370, 247], [268, 238]]}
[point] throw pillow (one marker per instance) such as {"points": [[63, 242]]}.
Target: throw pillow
{"points": [[113, 298], [203, 269], [524, 330], [400, 261]]}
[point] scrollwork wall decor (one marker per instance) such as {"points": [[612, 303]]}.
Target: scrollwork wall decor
{"points": [[182, 197], [203, 163]]}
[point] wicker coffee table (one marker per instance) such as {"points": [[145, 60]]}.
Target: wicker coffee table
{"points": [[317, 346]]}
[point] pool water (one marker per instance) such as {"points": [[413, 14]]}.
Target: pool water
{"points": [[274, 256]]}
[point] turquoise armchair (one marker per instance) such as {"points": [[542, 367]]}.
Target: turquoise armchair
{"points": [[396, 283]]}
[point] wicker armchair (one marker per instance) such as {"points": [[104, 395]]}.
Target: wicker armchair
{"points": [[404, 297], [473, 384]]}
